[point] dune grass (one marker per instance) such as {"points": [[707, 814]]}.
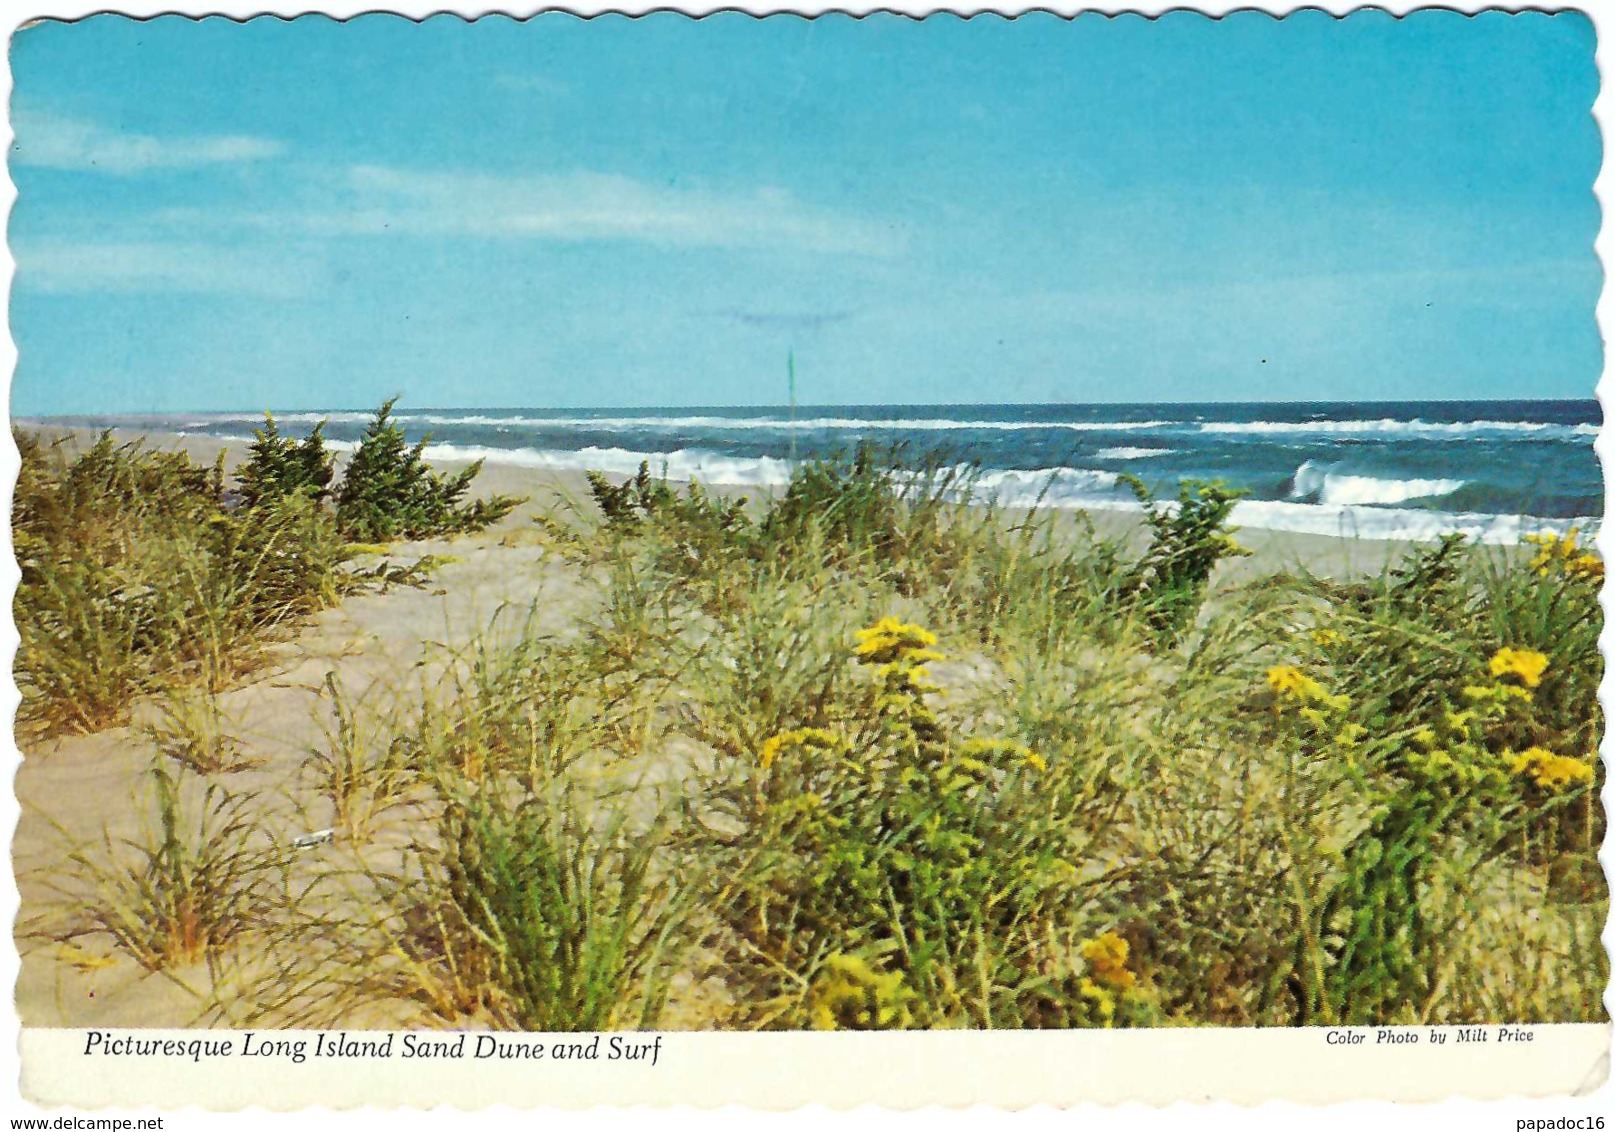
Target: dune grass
{"points": [[185, 891], [136, 577], [142, 571], [873, 754]]}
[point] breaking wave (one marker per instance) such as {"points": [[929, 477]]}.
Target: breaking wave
{"points": [[1317, 483]]}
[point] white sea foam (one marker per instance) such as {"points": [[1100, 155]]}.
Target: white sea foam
{"points": [[1125, 453], [1349, 521], [1438, 430], [680, 465], [1328, 486], [1057, 487], [236, 438], [773, 424], [1064, 488]]}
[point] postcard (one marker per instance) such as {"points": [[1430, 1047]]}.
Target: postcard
{"points": [[575, 561]]}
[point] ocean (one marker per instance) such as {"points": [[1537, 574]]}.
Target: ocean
{"points": [[1494, 470]]}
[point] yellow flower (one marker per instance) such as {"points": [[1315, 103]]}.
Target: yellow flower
{"points": [[850, 994], [1548, 770], [1562, 552], [810, 737], [770, 751], [1104, 1002], [1328, 638], [889, 639], [1524, 663], [1587, 567], [1288, 680], [1107, 957], [1426, 738], [992, 748]]}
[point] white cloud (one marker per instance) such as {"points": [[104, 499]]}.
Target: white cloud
{"points": [[77, 268], [68, 143], [576, 207]]}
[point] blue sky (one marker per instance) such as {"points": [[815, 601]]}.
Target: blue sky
{"points": [[571, 213]]}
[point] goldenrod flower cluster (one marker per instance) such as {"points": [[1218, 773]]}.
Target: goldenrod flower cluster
{"points": [[1463, 756], [1107, 960], [1548, 770], [1528, 666], [810, 737], [1289, 681], [1099, 1000], [1107, 978], [900, 651], [1562, 553], [890, 639], [850, 994]]}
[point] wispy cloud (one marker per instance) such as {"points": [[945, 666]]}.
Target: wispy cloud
{"points": [[69, 143], [782, 320], [573, 207], [60, 267]]}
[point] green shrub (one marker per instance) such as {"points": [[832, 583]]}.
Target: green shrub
{"points": [[389, 492], [865, 511], [895, 517], [1168, 583], [278, 466], [696, 536], [856, 502]]}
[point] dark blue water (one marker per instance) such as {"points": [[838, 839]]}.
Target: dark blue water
{"points": [[1382, 469]]}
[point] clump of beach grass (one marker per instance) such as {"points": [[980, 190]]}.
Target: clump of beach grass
{"points": [[362, 769], [135, 577], [186, 891], [192, 729]]}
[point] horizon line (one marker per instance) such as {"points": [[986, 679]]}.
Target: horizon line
{"points": [[800, 408]]}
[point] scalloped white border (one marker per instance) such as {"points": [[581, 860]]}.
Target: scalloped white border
{"points": [[1278, 1114]]}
